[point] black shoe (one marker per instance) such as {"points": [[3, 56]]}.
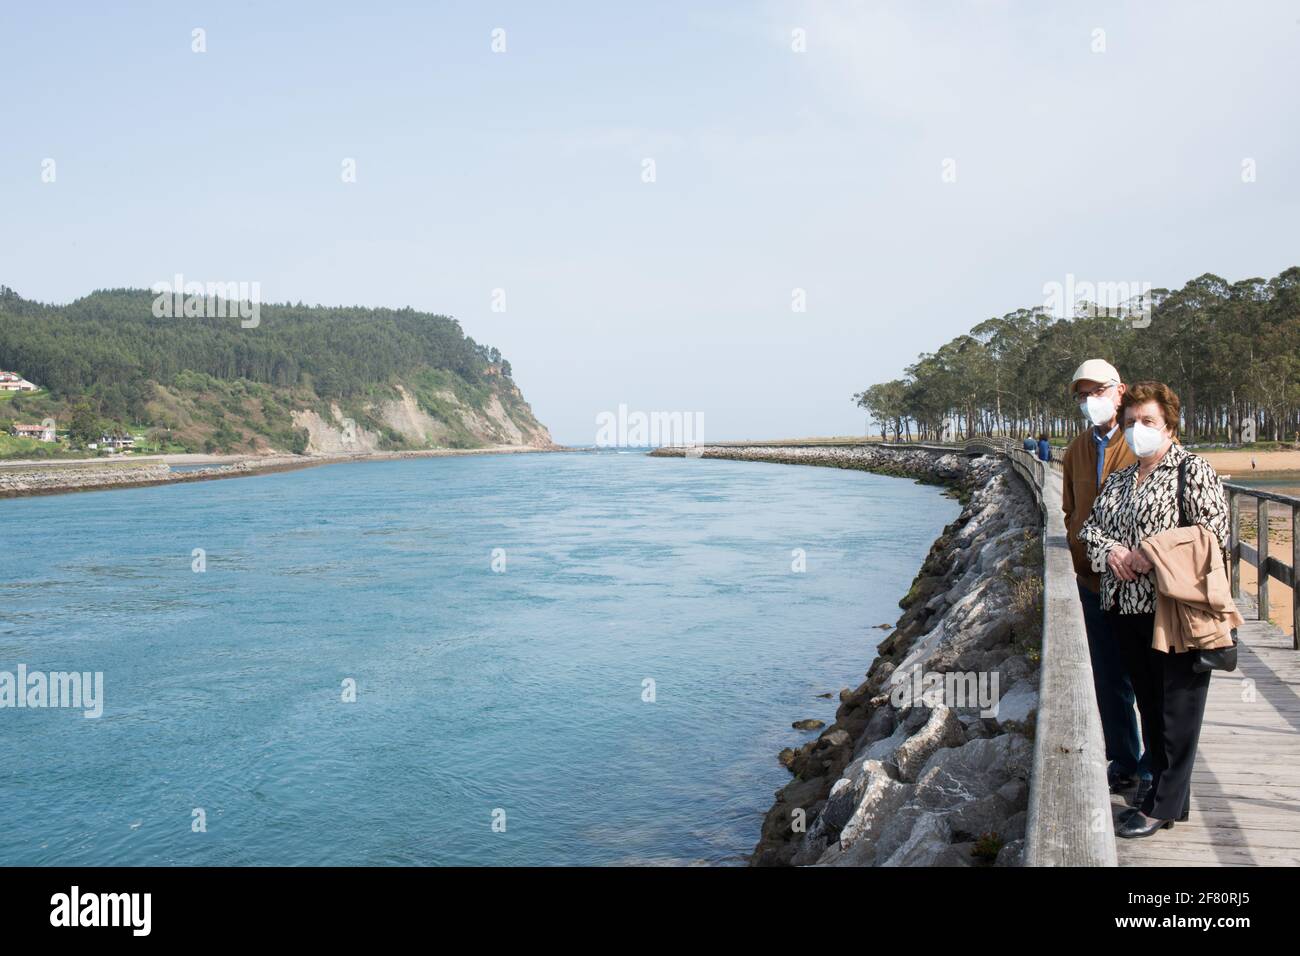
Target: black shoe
{"points": [[1140, 825], [1121, 783], [1124, 815]]}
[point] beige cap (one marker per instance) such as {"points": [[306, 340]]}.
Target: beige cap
{"points": [[1095, 370]]}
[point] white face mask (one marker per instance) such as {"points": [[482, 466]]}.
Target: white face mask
{"points": [[1144, 440], [1098, 409]]}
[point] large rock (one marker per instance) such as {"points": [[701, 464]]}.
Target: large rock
{"points": [[874, 796], [879, 726], [943, 729], [974, 770], [1012, 854], [1018, 708], [927, 845], [1015, 668]]}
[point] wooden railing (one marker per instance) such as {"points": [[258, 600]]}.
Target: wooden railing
{"points": [[1069, 822], [1266, 566]]}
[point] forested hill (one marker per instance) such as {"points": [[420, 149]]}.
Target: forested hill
{"points": [[1231, 350], [382, 378]]}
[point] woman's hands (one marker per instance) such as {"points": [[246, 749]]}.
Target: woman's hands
{"points": [[1127, 565], [1117, 561], [1138, 562]]}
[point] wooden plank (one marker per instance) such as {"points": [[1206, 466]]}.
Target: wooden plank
{"points": [[1245, 805], [1239, 815], [1143, 853], [1244, 817], [1246, 753], [1278, 571], [1190, 834]]}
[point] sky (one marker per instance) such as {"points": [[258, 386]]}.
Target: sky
{"points": [[835, 187]]}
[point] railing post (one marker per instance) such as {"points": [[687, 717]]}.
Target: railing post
{"points": [[1234, 541], [1261, 571], [1295, 577]]}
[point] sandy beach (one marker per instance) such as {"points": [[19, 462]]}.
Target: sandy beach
{"points": [[1279, 546], [1279, 595], [1237, 463]]}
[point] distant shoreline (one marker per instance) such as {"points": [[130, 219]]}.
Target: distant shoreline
{"points": [[25, 479], [1234, 462]]}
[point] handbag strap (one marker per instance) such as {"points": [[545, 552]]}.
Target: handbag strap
{"points": [[1182, 485], [1183, 522]]}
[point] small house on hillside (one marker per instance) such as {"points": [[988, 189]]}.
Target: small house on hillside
{"points": [[13, 382], [39, 432], [116, 442]]}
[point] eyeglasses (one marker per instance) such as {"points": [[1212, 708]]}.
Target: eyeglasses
{"points": [[1098, 392]]}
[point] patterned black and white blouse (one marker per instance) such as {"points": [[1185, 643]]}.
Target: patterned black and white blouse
{"points": [[1127, 512]]}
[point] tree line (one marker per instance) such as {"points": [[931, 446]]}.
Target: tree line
{"points": [[109, 347], [1231, 350]]}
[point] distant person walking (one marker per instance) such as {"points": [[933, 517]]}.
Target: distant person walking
{"points": [[1044, 448], [1089, 461], [1030, 444], [1166, 512]]}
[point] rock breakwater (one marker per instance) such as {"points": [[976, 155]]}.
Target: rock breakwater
{"points": [[927, 762]]}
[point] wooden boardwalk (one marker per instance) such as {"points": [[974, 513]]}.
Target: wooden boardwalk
{"points": [[1246, 782]]}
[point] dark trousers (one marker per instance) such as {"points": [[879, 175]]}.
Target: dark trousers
{"points": [[1110, 680], [1171, 701]]}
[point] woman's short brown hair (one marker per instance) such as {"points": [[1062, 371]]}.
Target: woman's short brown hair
{"points": [[1139, 393]]}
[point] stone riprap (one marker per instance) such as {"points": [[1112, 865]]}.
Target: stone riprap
{"points": [[920, 768], [57, 479]]}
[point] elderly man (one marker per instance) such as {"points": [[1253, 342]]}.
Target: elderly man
{"points": [[1089, 461]]}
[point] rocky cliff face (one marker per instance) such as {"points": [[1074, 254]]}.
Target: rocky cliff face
{"points": [[916, 770], [493, 424]]}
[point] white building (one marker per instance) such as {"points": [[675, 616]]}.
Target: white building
{"points": [[13, 382], [116, 442], [39, 432]]}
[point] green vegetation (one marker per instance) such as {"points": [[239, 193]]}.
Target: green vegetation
{"points": [[1230, 350], [14, 447], [105, 362]]}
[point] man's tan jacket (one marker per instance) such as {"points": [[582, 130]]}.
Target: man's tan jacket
{"points": [[1079, 490], [1194, 607]]}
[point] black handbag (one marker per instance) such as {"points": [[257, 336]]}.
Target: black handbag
{"points": [[1218, 658]]}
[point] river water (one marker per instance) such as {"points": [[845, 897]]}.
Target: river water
{"points": [[568, 658], [1279, 482]]}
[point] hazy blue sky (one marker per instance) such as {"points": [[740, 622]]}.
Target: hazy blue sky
{"points": [[775, 169]]}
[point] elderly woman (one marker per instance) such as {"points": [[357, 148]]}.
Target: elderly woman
{"points": [[1136, 503]]}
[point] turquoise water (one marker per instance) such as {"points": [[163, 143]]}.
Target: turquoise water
{"points": [[1280, 482], [477, 691]]}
